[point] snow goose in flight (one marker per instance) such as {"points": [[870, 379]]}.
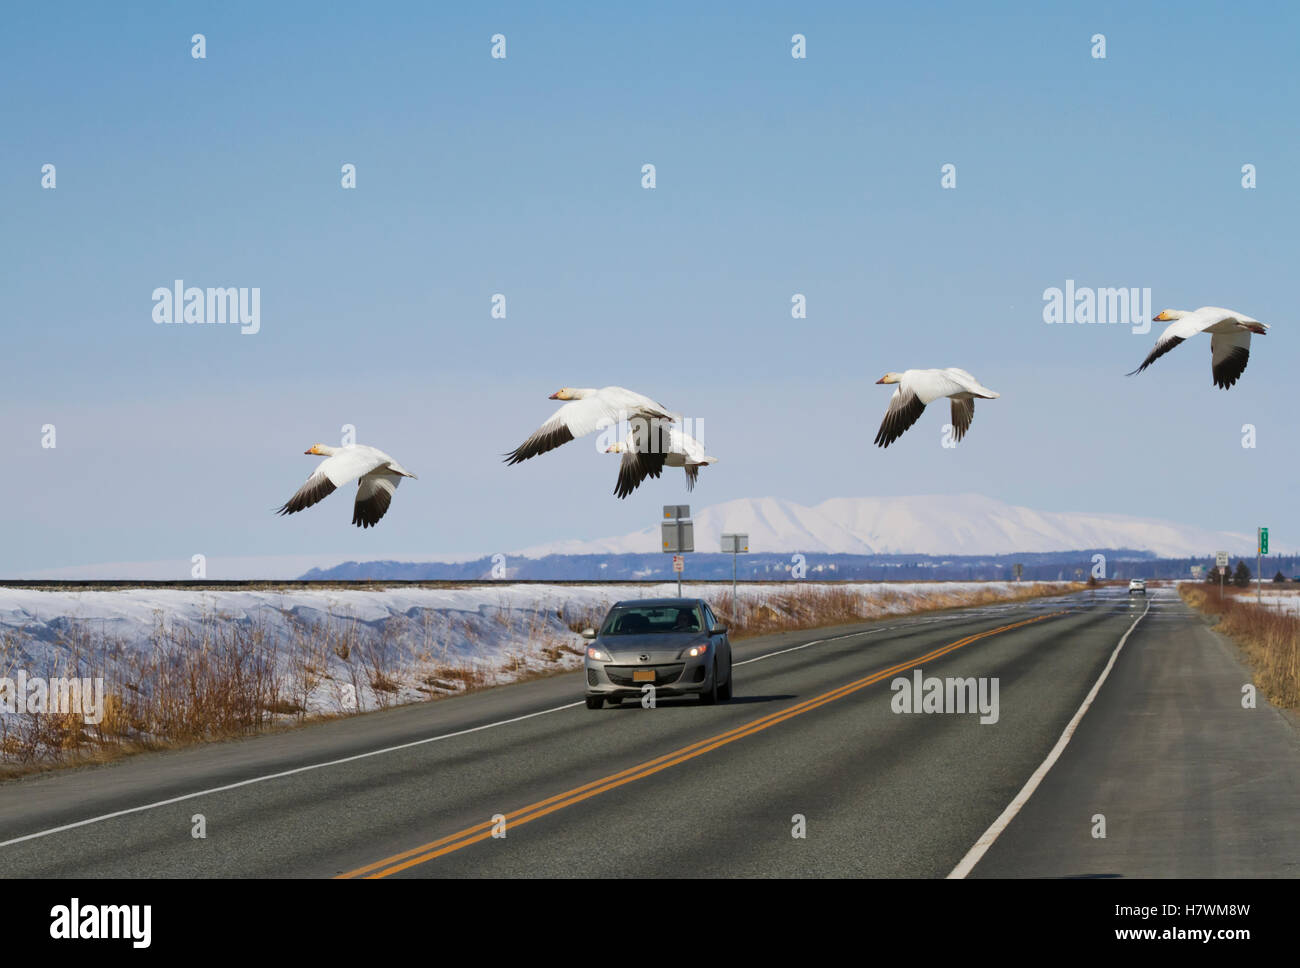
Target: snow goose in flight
{"points": [[916, 388], [645, 460], [1229, 341], [587, 411], [376, 473]]}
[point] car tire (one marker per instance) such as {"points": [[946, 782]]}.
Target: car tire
{"points": [[595, 702], [724, 692], [709, 696], [614, 700]]}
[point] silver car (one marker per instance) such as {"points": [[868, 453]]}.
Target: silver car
{"points": [[675, 644]]}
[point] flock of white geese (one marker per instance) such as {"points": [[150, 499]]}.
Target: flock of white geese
{"points": [[658, 439]]}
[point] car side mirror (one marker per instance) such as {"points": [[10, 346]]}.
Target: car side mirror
{"points": [[588, 633], [718, 630]]}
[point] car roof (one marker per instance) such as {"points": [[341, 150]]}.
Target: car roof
{"points": [[679, 602]]}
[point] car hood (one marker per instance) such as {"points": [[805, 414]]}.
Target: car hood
{"points": [[659, 646]]}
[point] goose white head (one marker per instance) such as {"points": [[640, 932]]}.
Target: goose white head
{"points": [[890, 378], [1168, 315], [616, 448], [320, 450], [569, 393]]}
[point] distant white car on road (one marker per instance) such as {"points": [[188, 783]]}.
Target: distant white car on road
{"points": [[1137, 585]]}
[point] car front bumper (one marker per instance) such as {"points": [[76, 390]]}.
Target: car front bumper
{"points": [[678, 678]]}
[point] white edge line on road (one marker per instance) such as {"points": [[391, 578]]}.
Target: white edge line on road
{"points": [[977, 852], [277, 776]]}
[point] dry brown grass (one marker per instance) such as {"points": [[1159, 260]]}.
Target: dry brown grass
{"points": [[814, 606], [189, 685], [1269, 639], [218, 679], [469, 677]]}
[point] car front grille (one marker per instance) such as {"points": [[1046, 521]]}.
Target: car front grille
{"points": [[664, 674]]}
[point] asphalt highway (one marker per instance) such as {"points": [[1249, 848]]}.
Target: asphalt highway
{"points": [[809, 771]]}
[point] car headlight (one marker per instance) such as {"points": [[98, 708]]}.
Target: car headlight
{"points": [[695, 651], [599, 655]]}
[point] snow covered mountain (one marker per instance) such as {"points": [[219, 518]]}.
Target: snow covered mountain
{"points": [[939, 525], [965, 524]]}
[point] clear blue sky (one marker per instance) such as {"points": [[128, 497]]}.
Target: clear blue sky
{"points": [[523, 176]]}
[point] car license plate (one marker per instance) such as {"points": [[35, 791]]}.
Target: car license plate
{"points": [[643, 675]]}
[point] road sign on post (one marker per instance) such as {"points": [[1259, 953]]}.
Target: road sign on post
{"points": [[1220, 563], [1259, 566], [677, 533], [735, 544], [678, 537]]}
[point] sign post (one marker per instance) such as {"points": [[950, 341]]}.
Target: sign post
{"points": [[736, 544], [677, 532], [1220, 563], [1259, 566]]}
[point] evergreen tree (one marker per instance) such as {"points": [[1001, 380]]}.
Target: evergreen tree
{"points": [[1241, 577]]}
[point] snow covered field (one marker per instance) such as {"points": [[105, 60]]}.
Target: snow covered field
{"points": [[481, 623], [1282, 598], [1277, 596], [330, 651]]}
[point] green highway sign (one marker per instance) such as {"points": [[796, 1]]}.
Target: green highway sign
{"points": [[1263, 541]]}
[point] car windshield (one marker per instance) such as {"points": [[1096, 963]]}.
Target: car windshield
{"points": [[649, 619]]}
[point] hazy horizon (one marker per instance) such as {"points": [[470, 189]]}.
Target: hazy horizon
{"points": [[811, 530]]}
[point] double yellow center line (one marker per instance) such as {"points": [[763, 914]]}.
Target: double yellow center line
{"points": [[534, 811]]}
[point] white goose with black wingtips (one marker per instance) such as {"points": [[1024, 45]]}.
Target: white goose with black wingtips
{"points": [[1229, 339], [640, 461], [377, 476], [586, 411], [918, 388]]}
